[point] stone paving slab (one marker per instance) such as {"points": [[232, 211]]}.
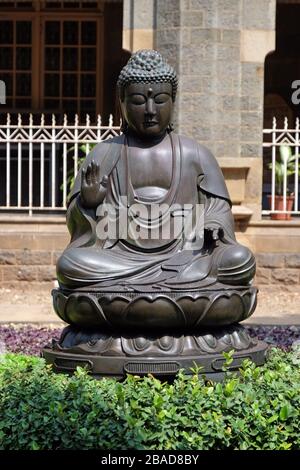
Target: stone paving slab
{"points": [[28, 313], [259, 318]]}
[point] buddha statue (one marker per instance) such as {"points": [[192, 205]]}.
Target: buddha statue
{"points": [[153, 275]]}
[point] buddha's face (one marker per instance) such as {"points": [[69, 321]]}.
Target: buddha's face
{"points": [[147, 108]]}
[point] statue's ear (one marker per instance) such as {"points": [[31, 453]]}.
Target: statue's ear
{"points": [[124, 125]]}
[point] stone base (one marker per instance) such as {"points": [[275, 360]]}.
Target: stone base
{"points": [[113, 355]]}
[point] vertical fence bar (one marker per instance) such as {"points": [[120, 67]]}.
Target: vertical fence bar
{"points": [[19, 175], [273, 164], [42, 167], [8, 161], [19, 203], [76, 145], [65, 183], [111, 121], [88, 126], [65, 166], [285, 170], [98, 127], [30, 163], [42, 175], [296, 164], [53, 179]]}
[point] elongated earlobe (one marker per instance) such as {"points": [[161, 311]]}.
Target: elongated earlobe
{"points": [[124, 126]]}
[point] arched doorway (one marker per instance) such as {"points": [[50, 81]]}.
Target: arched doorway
{"points": [[282, 68]]}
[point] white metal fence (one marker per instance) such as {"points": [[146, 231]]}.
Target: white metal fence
{"points": [[281, 167], [38, 160]]}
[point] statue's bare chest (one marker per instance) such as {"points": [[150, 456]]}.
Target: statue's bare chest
{"points": [[151, 167]]}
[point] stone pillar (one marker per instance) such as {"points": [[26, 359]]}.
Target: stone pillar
{"points": [[138, 24], [218, 48], [257, 40], [168, 41]]}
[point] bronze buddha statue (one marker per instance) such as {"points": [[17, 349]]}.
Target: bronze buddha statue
{"points": [[132, 291]]}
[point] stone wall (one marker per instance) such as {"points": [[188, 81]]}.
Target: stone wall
{"points": [[36, 269], [27, 266], [138, 24], [29, 251], [218, 48], [278, 268]]}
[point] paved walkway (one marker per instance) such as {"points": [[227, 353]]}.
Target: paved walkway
{"points": [[274, 307]]}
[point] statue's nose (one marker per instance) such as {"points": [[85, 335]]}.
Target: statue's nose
{"points": [[150, 107]]}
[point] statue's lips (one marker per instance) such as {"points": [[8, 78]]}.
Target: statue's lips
{"points": [[150, 123]]}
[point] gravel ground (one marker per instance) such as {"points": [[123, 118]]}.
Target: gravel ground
{"points": [[26, 339], [25, 296]]}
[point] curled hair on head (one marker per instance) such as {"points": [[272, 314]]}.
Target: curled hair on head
{"points": [[146, 66]]}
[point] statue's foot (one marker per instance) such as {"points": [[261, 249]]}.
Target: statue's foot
{"points": [[236, 265], [108, 354], [148, 311]]}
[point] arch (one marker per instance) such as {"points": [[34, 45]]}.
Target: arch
{"points": [[282, 66], [282, 69]]}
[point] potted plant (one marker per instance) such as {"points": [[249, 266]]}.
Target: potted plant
{"points": [[287, 161]]}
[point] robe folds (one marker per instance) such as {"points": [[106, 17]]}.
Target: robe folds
{"points": [[123, 262]]}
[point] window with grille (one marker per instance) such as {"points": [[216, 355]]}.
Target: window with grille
{"points": [[70, 65], [16, 61], [51, 4], [16, 4], [51, 60], [71, 4]]}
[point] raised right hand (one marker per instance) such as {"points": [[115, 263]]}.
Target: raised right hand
{"points": [[93, 188]]}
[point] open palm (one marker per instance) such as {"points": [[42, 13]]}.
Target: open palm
{"points": [[93, 187]]}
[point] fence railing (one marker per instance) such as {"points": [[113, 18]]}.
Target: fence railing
{"points": [[38, 160], [281, 167]]}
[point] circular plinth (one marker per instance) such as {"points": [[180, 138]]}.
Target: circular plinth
{"points": [[114, 355], [155, 310]]}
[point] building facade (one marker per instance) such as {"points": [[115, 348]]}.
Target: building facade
{"points": [[64, 58]]}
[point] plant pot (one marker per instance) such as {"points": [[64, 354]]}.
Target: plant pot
{"points": [[279, 207]]}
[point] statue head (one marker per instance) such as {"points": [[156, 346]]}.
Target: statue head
{"points": [[147, 88]]}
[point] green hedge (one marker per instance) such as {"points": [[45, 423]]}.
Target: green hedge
{"points": [[42, 410]]}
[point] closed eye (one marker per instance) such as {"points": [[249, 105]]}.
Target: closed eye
{"points": [[161, 98], [138, 99]]}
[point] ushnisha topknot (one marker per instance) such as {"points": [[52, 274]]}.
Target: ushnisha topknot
{"points": [[146, 66]]}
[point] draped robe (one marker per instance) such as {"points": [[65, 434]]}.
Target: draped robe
{"points": [[154, 264]]}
